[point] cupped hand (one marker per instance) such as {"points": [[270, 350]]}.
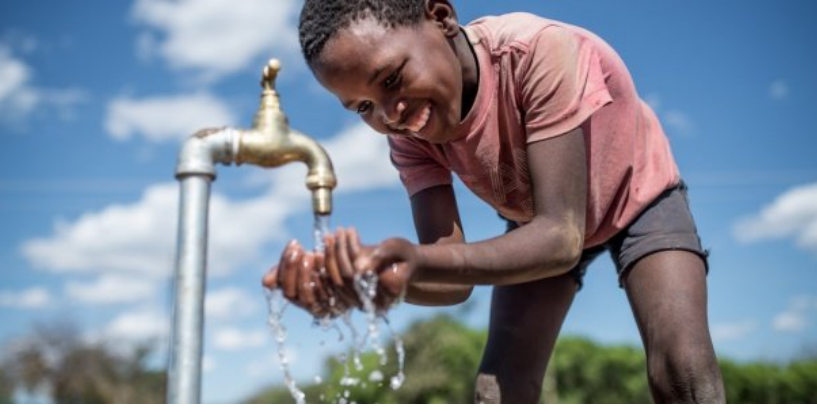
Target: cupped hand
{"points": [[303, 281], [394, 261]]}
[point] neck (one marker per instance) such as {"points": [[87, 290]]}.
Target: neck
{"points": [[470, 72]]}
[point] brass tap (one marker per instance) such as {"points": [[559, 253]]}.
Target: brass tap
{"points": [[271, 143]]}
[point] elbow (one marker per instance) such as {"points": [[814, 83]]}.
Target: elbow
{"points": [[569, 248]]}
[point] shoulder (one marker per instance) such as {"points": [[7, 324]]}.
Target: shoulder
{"points": [[520, 31]]}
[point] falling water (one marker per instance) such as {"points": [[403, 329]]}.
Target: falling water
{"points": [[277, 305], [321, 230], [366, 287]]}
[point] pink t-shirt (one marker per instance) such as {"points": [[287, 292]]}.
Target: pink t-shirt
{"points": [[540, 79]]}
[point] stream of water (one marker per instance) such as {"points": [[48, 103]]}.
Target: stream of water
{"points": [[366, 287]]}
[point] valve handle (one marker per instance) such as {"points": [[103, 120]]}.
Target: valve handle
{"points": [[269, 73]]}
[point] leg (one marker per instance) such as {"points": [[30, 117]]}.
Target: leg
{"points": [[667, 292], [525, 322]]}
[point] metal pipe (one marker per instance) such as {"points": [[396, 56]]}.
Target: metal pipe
{"points": [[270, 143], [185, 362], [195, 172]]}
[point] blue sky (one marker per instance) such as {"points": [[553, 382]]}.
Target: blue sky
{"points": [[94, 102]]}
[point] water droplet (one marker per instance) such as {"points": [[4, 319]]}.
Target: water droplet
{"points": [[376, 376]]}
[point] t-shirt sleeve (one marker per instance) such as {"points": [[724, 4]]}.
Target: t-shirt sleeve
{"points": [[562, 83], [417, 167]]}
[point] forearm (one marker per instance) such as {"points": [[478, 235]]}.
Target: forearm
{"points": [[542, 248]]}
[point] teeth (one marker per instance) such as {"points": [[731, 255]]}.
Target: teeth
{"points": [[419, 121]]}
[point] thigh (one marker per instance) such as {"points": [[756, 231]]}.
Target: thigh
{"points": [[667, 292], [668, 295], [525, 322]]}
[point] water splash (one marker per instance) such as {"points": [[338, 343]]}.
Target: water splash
{"points": [[277, 305], [397, 380], [365, 286]]}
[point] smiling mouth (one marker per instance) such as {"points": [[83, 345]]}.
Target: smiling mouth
{"points": [[417, 121]]}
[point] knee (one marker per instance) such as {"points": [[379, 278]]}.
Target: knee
{"points": [[685, 374], [486, 389]]}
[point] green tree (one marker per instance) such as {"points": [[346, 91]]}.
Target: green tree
{"points": [[441, 355], [442, 358], [590, 373]]}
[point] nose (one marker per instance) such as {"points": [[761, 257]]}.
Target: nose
{"points": [[393, 113]]}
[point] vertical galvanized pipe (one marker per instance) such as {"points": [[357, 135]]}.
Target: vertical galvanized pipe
{"points": [[184, 379]]}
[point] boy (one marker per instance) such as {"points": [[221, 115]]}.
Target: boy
{"points": [[542, 121]]}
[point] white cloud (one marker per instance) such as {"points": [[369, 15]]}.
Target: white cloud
{"points": [[165, 117], [733, 331], [138, 326], [679, 121], [216, 37], [130, 240], [110, 289], [208, 363], [796, 317], [138, 240], [789, 322], [231, 339], [33, 298], [673, 119], [360, 157], [779, 90], [792, 214], [19, 98], [230, 303], [654, 101]]}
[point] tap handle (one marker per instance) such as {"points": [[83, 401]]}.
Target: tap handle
{"points": [[269, 74]]}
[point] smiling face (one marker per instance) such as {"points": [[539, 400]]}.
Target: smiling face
{"points": [[405, 80]]}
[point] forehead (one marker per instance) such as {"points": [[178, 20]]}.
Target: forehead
{"points": [[365, 45]]}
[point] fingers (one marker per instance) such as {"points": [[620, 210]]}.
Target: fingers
{"points": [[306, 284], [288, 270], [322, 293], [354, 244], [270, 279], [332, 268], [344, 260]]}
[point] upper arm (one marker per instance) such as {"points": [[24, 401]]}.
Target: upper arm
{"points": [[563, 85], [559, 180]]}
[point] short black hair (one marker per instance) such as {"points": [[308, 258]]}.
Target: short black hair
{"points": [[323, 19]]}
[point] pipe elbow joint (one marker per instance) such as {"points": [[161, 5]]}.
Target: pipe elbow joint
{"points": [[202, 150]]}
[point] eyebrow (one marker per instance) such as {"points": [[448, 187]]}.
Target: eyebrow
{"points": [[376, 74]]}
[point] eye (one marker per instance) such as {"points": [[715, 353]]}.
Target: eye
{"points": [[364, 107], [391, 80]]}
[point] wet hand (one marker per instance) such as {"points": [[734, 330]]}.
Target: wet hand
{"points": [[394, 262], [303, 281]]}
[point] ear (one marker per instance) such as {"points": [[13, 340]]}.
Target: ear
{"points": [[442, 13]]}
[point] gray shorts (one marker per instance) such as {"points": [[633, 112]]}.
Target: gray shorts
{"points": [[666, 224]]}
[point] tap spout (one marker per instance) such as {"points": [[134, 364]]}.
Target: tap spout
{"points": [[271, 143], [266, 150]]}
